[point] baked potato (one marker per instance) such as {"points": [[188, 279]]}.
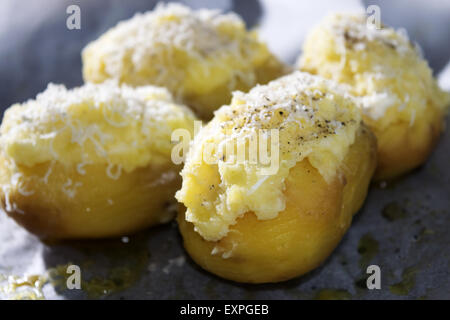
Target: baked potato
{"points": [[247, 224], [399, 98], [201, 56], [90, 162]]}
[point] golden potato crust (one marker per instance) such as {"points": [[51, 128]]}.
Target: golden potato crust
{"points": [[399, 98], [402, 147], [100, 207], [301, 237]]}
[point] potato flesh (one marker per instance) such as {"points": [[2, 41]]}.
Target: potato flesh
{"points": [[301, 237]]}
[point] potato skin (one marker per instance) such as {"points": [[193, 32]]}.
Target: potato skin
{"points": [[301, 237], [102, 207], [403, 147]]}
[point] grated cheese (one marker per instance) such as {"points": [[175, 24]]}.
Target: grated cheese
{"points": [[381, 67], [69, 126], [193, 53]]}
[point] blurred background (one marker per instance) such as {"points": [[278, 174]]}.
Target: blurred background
{"points": [[37, 48]]}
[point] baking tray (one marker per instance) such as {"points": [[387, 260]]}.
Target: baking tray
{"points": [[403, 226]]}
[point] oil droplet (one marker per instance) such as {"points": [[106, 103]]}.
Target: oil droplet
{"points": [[117, 278], [333, 294], [368, 249], [393, 211], [126, 261], [424, 232], [408, 282], [361, 283]]}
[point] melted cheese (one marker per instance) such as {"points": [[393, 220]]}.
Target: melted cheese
{"points": [[121, 127], [312, 118], [380, 66]]}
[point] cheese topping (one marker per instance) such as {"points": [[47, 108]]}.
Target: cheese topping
{"points": [[310, 117], [121, 127], [380, 66], [187, 51]]}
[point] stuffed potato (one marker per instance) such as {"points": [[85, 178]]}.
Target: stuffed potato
{"points": [[90, 162], [247, 224], [400, 100], [200, 56]]}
